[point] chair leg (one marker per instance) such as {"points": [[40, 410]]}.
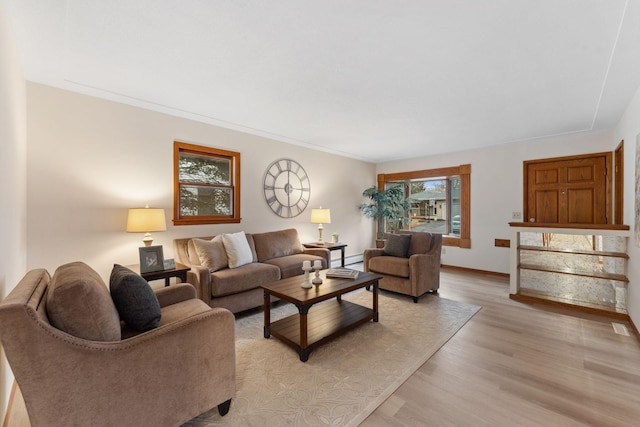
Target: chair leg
{"points": [[415, 300], [223, 408]]}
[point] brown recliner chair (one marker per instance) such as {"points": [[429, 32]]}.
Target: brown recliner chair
{"points": [[412, 272], [162, 377]]}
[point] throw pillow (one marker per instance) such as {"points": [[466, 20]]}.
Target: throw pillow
{"points": [[237, 248], [136, 302], [397, 245], [79, 304], [276, 244], [211, 253]]}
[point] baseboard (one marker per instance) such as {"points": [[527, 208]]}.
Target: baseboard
{"points": [[528, 299], [354, 259], [473, 270], [348, 260], [633, 326]]}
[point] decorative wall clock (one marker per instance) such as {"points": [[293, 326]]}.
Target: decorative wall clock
{"points": [[286, 188]]}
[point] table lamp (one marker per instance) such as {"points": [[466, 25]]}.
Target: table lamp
{"points": [[320, 216], [145, 220]]}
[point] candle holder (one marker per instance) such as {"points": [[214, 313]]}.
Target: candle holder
{"points": [[317, 266], [306, 267]]}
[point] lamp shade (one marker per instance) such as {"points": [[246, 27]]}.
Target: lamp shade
{"points": [[145, 220], [320, 216]]}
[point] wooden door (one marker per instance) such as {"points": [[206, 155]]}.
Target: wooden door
{"points": [[569, 190]]}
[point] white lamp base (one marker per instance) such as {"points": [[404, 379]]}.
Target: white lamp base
{"points": [[148, 240]]}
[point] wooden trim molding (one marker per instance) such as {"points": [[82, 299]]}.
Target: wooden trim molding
{"points": [[473, 270], [618, 193], [633, 326], [464, 172], [234, 159], [572, 226], [529, 299]]}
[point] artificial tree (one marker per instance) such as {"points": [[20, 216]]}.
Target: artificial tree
{"points": [[389, 204]]}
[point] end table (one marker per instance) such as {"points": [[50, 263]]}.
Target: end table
{"points": [[179, 272], [328, 245]]}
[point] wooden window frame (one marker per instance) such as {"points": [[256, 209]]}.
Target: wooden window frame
{"points": [[233, 157], [464, 172]]}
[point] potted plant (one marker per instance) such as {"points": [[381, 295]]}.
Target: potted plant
{"points": [[389, 204]]}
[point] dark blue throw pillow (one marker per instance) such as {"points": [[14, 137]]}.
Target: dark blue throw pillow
{"points": [[136, 302]]}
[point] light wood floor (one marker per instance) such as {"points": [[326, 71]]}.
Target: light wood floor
{"points": [[516, 364], [513, 364]]}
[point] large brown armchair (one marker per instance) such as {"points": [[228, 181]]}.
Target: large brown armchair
{"points": [[409, 262], [115, 377]]}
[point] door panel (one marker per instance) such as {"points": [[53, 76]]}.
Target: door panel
{"points": [[580, 206], [570, 190], [547, 206], [580, 174], [546, 176]]}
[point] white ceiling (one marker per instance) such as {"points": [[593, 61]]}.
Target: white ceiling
{"points": [[376, 80]]}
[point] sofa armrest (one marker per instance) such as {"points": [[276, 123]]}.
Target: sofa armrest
{"points": [[191, 361], [425, 272], [200, 278], [175, 293], [368, 254]]}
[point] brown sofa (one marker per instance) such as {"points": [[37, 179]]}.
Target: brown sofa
{"points": [[414, 272], [93, 377], [275, 255]]}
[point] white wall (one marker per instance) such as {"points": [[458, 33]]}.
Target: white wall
{"points": [[90, 159], [628, 129], [12, 179], [496, 189]]}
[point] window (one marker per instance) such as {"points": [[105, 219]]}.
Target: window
{"points": [[206, 185], [440, 202]]}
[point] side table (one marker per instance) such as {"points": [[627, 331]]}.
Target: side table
{"points": [[328, 245], [180, 272]]}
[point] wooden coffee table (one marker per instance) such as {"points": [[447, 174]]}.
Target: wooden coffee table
{"points": [[316, 324]]}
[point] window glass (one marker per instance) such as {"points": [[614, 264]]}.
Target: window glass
{"points": [[440, 202], [435, 205], [207, 183]]}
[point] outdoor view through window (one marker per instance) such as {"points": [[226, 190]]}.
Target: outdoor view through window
{"points": [[435, 205], [207, 185]]}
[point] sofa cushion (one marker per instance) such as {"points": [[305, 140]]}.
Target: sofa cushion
{"points": [[212, 253], [397, 245], [252, 245], [276, 244], [78, 303], [249, 276], [393, 266], [237, 248], [292, 265], [135, 300], [172, 313]]}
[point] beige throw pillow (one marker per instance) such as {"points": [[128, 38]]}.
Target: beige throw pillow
{"points": [[212, 253], [237, 248]]}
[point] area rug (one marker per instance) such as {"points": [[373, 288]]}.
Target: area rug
{"points": [[344, 380]]}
